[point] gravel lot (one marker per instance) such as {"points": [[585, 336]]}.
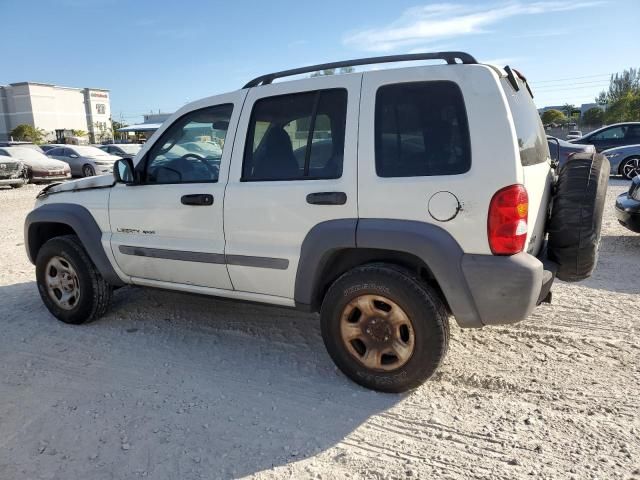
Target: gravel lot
{"points": [[173, 386]]}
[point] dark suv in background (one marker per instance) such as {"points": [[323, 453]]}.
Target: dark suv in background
{"points": [[611, 136]]}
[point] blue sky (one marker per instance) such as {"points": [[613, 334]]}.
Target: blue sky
{"points": [[158, 55]]}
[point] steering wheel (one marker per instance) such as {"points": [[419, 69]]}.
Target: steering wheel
{"points": [[213, 169]]}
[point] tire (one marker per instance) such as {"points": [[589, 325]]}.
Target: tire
{"points": [[93, 292], [20, 185], [630, 168], [576, 215], [383, 286], [88, 171]]}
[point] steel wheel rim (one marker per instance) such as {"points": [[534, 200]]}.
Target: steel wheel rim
{"points": [[377, 333], [88, 171], [631, 167], [62, 283]]}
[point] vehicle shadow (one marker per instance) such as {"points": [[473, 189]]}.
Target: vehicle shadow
{"points": [[615, 272], [168, 385]]}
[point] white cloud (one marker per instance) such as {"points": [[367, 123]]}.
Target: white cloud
{"points": [[418, 25]]}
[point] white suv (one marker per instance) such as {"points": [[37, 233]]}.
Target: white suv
{"points": [[385, 200]]}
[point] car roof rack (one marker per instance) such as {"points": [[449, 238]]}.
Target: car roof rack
{"points": [[449, 57]]}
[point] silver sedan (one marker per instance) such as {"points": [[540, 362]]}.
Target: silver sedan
{"points": [[84, 161], [624, 160]]}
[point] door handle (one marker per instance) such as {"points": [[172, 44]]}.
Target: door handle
{"points": [[197, 199], [327, 198]]}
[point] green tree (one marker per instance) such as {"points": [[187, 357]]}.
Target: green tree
{"points": [[553, 116], [622, 98], [28, 133], [593, 116], [624, 109], [570, 110], [115, 125], [619, 85], [79, 133]]}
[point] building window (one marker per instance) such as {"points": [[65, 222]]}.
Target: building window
{"points": [[100, 108]]}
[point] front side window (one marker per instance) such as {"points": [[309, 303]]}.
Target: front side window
{"points": [[610, 134], [190, 150], [421, 129], [296, 137]]}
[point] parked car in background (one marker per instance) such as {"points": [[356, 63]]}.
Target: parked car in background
{"points": [[574, 134], [561, 150], [15, 143], [84, 161], [624, 160], [628, 207], [611, 136], [50, 146], [13, 172], [41, 169], [122, 150]]}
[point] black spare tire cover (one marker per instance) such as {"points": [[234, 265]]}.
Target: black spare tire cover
{"points": [[576, 215]]}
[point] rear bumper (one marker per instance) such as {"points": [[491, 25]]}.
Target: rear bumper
{"points": [[628, 212], [507, 289]]}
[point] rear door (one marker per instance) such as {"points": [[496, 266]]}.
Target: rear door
{"points": [[534, 158], [294, 166]]}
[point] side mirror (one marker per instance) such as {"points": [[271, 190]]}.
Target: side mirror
{"points": [[123, 171]]}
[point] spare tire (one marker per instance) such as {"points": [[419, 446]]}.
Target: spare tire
{"points": [[576, 215]]}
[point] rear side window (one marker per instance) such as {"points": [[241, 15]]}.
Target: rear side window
{"points": [[532, 140], [296, 137], [421, 129]]}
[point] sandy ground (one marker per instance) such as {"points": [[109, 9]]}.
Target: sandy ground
{"points": [[173, 386]]}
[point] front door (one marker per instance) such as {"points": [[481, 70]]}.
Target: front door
{"points": [[168, 228], [294, 166]]}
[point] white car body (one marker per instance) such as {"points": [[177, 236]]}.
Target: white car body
{"points": [[573, 134], [258, 228]]}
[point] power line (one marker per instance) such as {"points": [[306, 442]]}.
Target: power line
{"points": [[574, 78], [576, 83]]}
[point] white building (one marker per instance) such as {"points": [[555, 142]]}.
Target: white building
{"points": [[51, 108]]}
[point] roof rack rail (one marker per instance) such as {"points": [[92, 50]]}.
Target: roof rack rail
{"points": [[449, 57]]}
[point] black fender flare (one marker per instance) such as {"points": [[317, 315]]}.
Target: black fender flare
{"points": [[433, 245], [83, 224]]}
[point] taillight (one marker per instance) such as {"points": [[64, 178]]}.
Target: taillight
{"points": [[507, 223]]}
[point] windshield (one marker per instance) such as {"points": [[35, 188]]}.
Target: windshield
{"points": [[90, 152], [130, 148], [27, 153]]}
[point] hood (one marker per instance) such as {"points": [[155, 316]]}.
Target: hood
{"points": [[45, 163], [100, 181]]}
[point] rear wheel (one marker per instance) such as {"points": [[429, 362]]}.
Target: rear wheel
{"points": [[20, 185], [384, 328], [630, 168], [88, 171], [70, 286]]}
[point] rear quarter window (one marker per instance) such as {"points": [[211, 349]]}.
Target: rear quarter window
{"points": [[532, 141], [421, 129]]}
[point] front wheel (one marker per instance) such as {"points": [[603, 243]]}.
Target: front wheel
{"points": [[630, 168], [70, 286], [88, 171], [384, 328]]}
